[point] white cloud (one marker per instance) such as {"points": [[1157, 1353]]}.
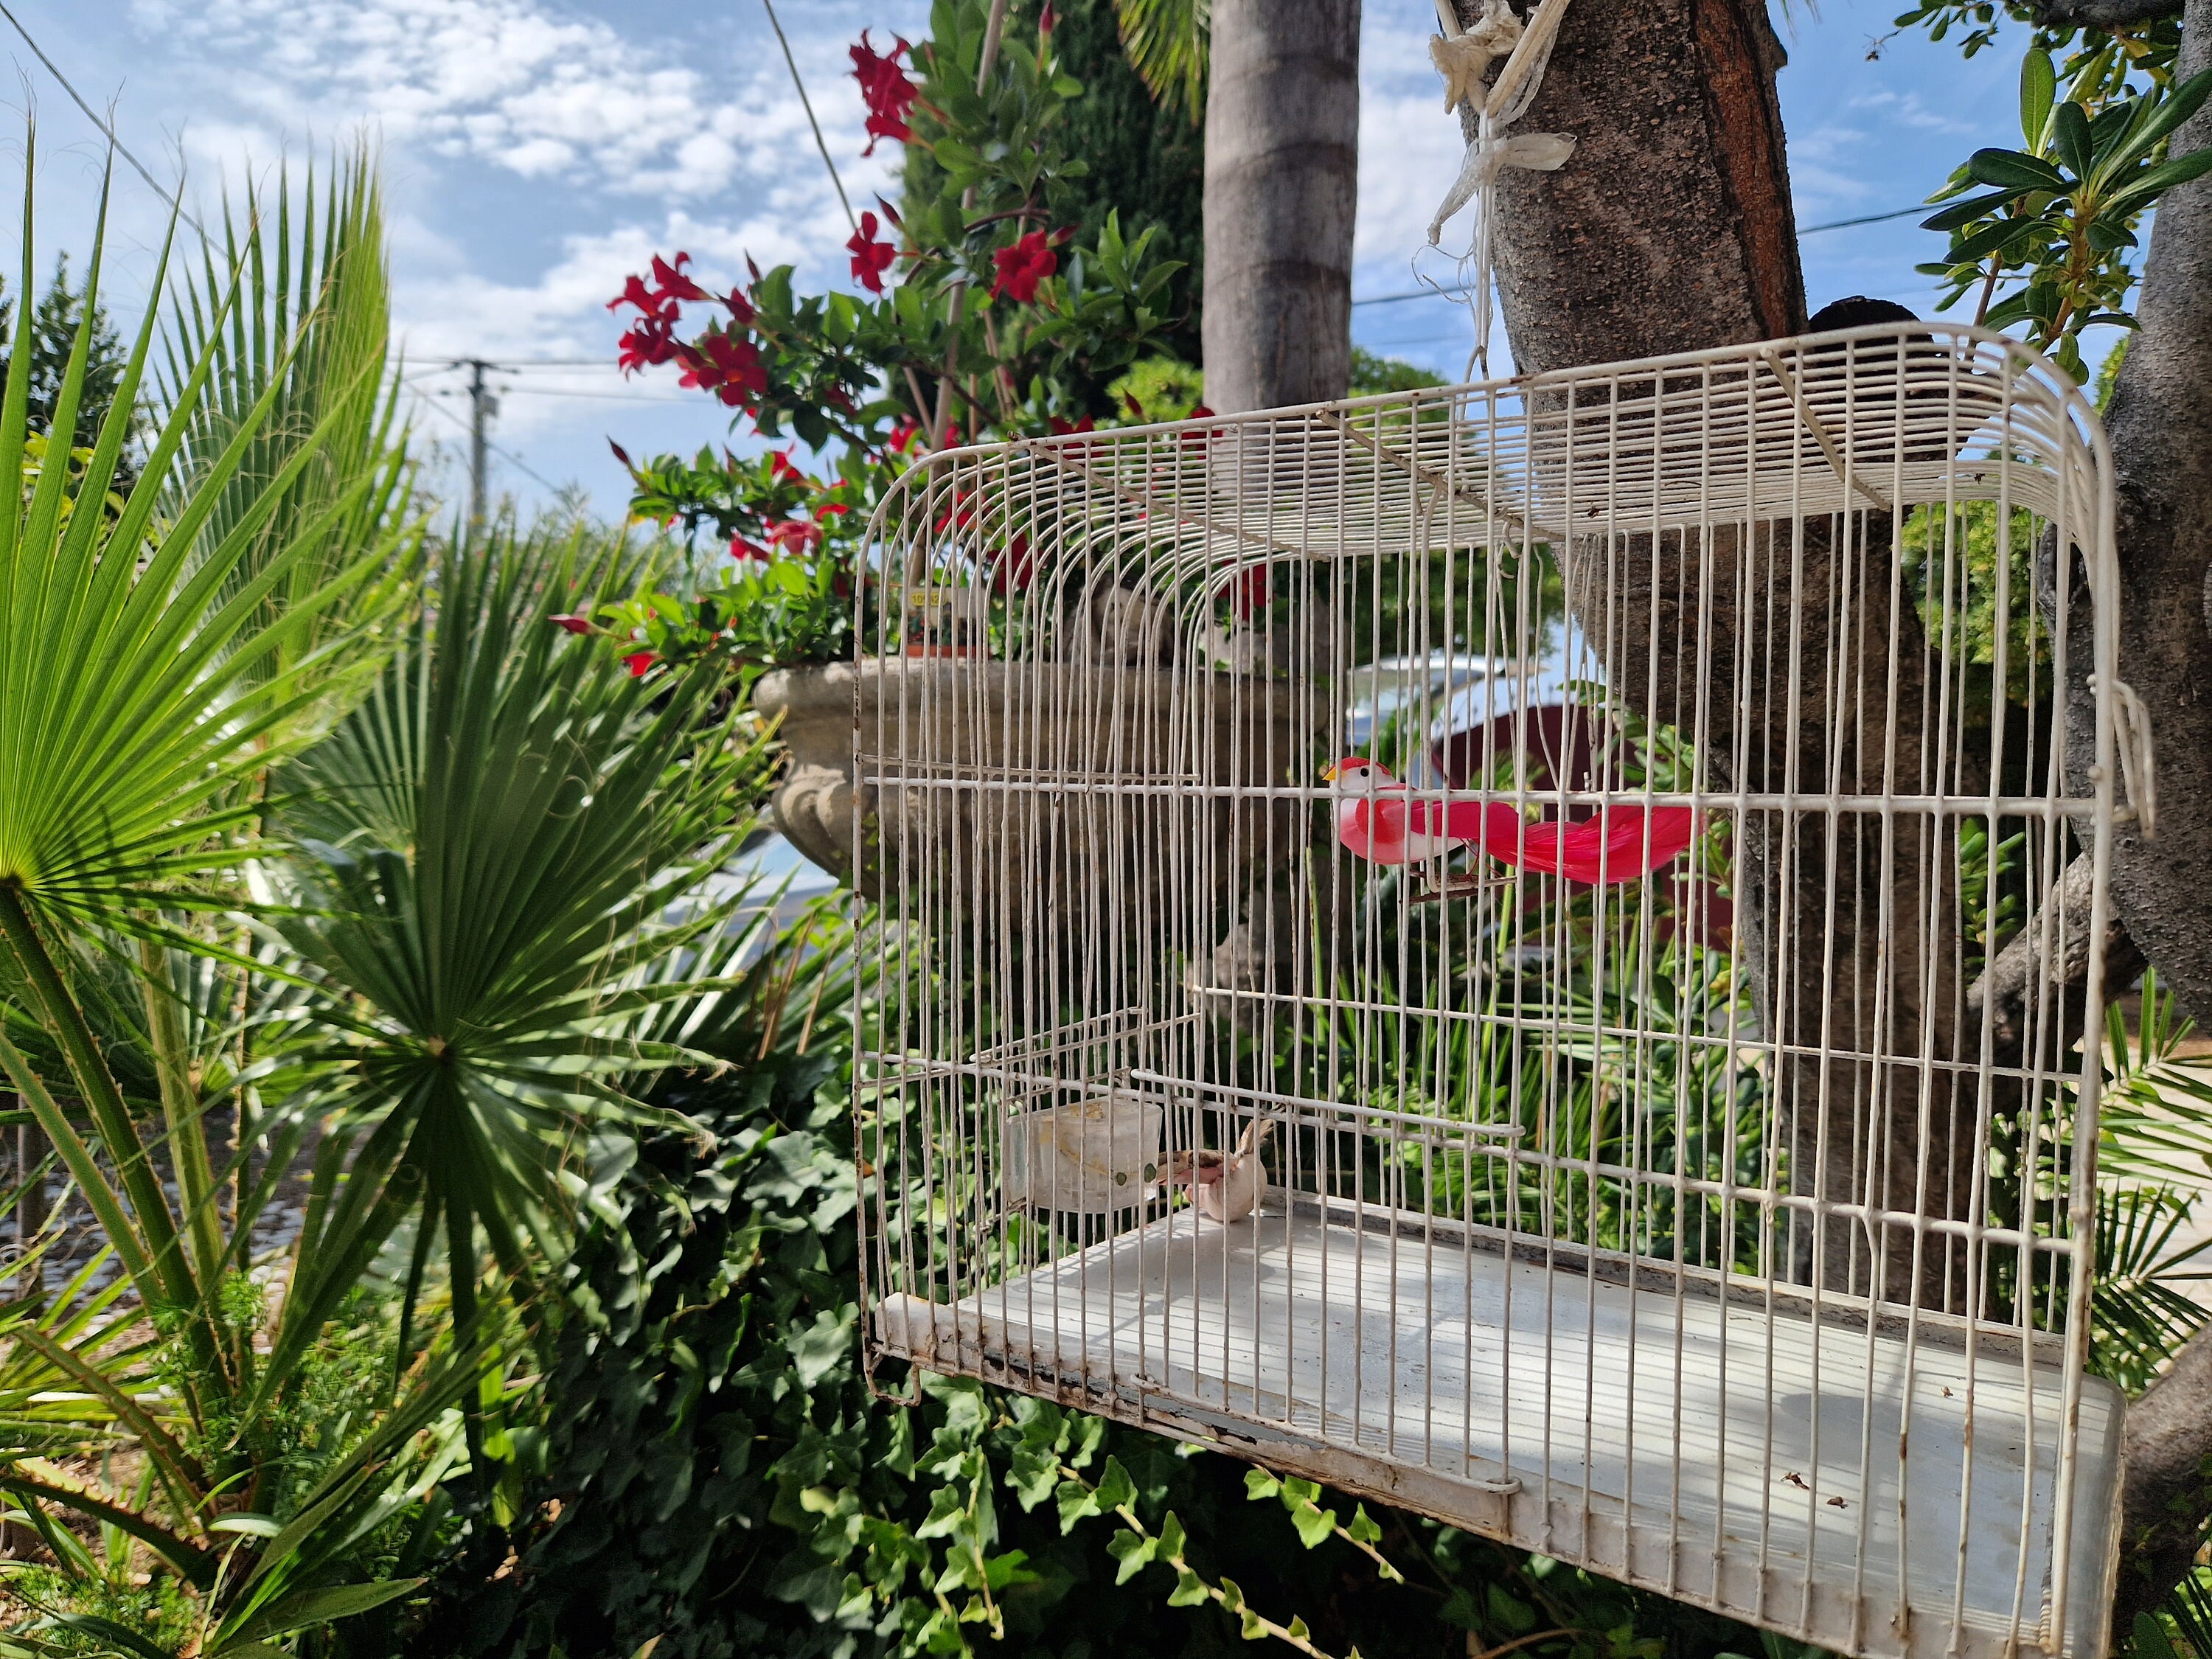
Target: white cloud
{"points": [[513, 83]]}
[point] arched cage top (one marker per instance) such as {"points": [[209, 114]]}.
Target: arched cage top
{"points": [[1533, 949]]}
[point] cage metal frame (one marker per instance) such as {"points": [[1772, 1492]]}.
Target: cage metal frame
{"points": [[1076, 802]]}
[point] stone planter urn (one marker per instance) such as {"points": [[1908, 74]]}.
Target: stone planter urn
{"points": [[1032, 775]]}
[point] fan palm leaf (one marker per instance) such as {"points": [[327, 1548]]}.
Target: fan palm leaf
{"points": [[500, 844], [146, 682], [297, 303]]}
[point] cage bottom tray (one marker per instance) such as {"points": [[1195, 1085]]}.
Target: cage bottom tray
{"points": [[1830, 1477]]}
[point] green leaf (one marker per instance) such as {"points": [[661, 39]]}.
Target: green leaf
{"points": [[1189, 1591], [1965, 212], [1134, 1552], [1172, 1542], [2013, 171], [1314, 1526], [1363, 1529], [1115, 1489], [2038, 87], [1077, 1503], [2146, 187], [322, 1606], [1259, 1483], [2069, 137]]}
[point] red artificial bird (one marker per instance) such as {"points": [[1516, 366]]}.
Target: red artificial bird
{"points": [[1379, 820]]}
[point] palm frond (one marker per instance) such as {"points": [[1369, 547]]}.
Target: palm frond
{"points": [[1166, 43], [148, 675], [501, 843], [297, 312]]}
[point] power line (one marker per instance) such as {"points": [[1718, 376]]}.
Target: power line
{"points": [[1870, 219], [93, 115], [1809, 230], [807, 104], [496, 449]]}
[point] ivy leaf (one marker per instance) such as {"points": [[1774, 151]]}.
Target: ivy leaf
{"points": [[1363, 1529], [1172, 1541], [1077, 1502], [1314, 1525], [1034, 1473], [1134, 1553], [1189, 1591], [1000, 1570], [1115, 1489], [1259, 1483]]}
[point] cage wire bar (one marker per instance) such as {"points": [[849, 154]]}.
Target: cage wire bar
{"points": [[1668, 1207]]}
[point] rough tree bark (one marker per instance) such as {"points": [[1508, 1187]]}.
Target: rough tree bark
{"points": [[1282, 162], [1671, 229], [2160, 423]]}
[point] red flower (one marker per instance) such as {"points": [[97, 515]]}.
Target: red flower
{"points": [[905, 432], [780, 469], [674, 284], [871, 258], [638, 662], [651, 339], [884, 87], [1023, 266], [574, 625], [795, 536], [1060, 429], [830, 510], [1250, 591], [731, 368], [1017, 566], [650, 342], [1136, 409], [741, 549], [1048, 19]]}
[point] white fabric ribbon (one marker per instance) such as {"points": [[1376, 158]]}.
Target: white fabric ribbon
{"points": [[1540, 152], [1463, 60]]}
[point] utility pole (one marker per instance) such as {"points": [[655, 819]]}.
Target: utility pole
{"points": [[482, 407]]}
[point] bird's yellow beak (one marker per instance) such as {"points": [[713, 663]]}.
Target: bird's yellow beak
{"points": [[1328, 774]]}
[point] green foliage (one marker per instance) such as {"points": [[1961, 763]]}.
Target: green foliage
{"points": [[1010, 298], [1167, 44], [54, 323], [2056, 220], [1974, 594], [1159, 389], [1139, 156], [300, 296], [497, 848], [1372, 375]]}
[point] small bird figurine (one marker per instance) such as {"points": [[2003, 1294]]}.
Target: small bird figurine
{"points": [[1224, 1186], [1378, 819]]}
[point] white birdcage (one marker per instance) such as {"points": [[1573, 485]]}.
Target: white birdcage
{"points": [[1618, 1165]]}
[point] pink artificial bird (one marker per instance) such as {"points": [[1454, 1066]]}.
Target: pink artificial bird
{"points": [[1378, 819]]}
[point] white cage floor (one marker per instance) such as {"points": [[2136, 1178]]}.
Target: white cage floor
{"points": [[1717, 1452]]}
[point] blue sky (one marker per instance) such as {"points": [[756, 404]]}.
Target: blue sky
{"points": [[537, 150]]}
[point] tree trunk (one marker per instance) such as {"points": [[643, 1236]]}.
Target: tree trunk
{"points": [[1282, 161], [1671, 229], [2160, 423]]}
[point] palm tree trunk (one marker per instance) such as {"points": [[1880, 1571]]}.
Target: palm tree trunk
{"points": [[1282, 162]]}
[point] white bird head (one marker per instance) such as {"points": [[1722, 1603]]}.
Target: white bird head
{"points": [[1354, 775]]}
